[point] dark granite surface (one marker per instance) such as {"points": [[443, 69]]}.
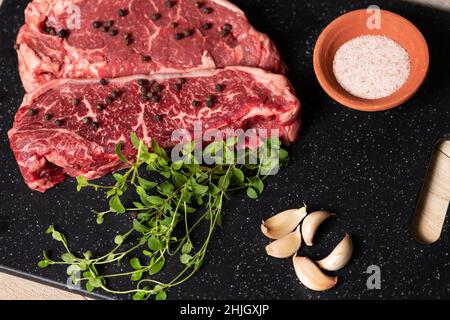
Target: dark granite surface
{"points": [[366, 167]]}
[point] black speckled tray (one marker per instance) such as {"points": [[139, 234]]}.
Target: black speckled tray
{"points": [[367, 167]]}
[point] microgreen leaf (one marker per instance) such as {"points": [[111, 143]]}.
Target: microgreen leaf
{"points": [[162, 295], [118, 151], [187, 247], [116, 205], [135, 263], [135, 142], [118, 239], [154, 244], [146, 184], [185, 258], [137, 275], [166, 188], [156, 200], [198, 189], [156, 267], [140, 295], [82, 182], [68, 257], [139, 227], [43, 264], [224, 182], [95, 282], [238, 175], [251, 193], [57, 236]]}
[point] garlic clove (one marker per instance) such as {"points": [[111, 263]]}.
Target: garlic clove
{"points": [[311, 276], [311, 223], [286, 246], [339, 257], [283, 223]]}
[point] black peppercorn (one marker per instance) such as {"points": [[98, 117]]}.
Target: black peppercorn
{"points": [[195, 103], [223, 33], [103, 81], [207, 10], [145, 58], [210, 101], [227, 27], [74, 101], [58, 123], [155, 16], [63, 33], [123, 12], [33, 112], [206, 26], [144, 97], [179, 36], [95, 125], [96, 24], [115, 94], [50, 31], [157, 88], [47, 116]]}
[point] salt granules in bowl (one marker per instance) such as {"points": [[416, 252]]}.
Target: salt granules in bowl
{"points": [[371, 66]]}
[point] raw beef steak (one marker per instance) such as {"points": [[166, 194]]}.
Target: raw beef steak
{"points": [[121, 38], [72, 126]]}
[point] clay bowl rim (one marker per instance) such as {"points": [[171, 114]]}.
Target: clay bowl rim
{"points": [[336, 92]]}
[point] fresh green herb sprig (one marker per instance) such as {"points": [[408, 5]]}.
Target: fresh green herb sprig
{"points": [[190, 195]]}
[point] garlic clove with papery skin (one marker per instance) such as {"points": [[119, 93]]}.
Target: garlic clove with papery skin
{"points": [[283, 223], [310, 224], [339, 257], [311, 276], [286, 246]]}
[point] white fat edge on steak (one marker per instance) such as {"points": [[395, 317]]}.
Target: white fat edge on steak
{"points": [[277, 83]]}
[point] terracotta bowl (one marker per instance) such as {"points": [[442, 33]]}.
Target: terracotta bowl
{"points": [[354, 24]]}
